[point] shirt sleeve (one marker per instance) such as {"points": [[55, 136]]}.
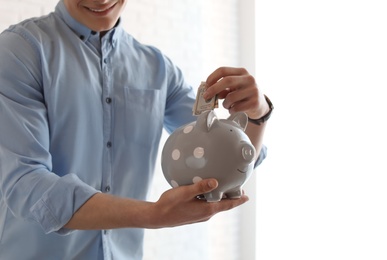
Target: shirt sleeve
{"points": [[261, 157], [180, 99], [27, 184]]}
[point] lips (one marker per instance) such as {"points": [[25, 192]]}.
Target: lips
{"points": [[100, 10]]}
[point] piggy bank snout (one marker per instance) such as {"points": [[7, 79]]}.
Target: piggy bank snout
{"points": [[248, 152]]}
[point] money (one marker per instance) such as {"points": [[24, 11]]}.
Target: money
{"points": [[202, 104]]}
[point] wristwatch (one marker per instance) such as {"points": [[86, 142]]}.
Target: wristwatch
{"points": [[266, 117]]}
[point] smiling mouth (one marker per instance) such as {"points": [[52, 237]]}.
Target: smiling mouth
{"points": [[100, 11]]}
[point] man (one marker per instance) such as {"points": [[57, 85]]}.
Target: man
{"points": [[82, 107]]}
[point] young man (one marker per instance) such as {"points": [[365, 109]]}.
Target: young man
{"points": [[82, 107]]}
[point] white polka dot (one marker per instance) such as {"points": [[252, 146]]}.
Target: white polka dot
{"points": [[188, 129], [176, 154], [174, 184], [196, 179], [198, 152]]}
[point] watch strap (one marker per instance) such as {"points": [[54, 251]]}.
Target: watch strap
{"points": [[266, 117]]}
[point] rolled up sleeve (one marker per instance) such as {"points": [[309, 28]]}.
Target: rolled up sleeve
{"points": [[57, 205]]}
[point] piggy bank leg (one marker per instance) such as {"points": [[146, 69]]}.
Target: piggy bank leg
{"points": [[234, 194], [213, 196]]}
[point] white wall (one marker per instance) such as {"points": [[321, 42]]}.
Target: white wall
{"points": [[199, 36], [324, 191]]}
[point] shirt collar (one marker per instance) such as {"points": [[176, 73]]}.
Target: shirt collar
{"points": [[83, 32]]}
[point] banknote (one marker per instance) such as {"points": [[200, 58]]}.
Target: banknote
{"points": [[202, 104]]}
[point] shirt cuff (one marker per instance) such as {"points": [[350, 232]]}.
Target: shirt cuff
{"points": [[261, 157], [60, 202]]}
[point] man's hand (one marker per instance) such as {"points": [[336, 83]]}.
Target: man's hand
{"points": [[180, 206], [176, 207], [239, 90]]}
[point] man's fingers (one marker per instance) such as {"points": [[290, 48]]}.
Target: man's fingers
{"points": [[203, 186], [224, 72], [189, 192], [235, 79], [179, 206]]}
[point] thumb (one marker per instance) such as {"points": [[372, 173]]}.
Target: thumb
{"points": [[187, 192], [204, 186]]}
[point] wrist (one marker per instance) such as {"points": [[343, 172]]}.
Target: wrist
{"points": [[143, 215], [266, 116]]}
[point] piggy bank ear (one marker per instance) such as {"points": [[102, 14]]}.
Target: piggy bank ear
{"points": [[206, 120], [240, 118]]}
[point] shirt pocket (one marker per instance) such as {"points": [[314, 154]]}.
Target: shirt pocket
{"points": [[144, 112]]}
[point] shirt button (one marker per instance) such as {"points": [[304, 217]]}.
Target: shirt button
{"points": [[105, 60], [107, 188], [108, 100], [109, 144], [82, 37]]}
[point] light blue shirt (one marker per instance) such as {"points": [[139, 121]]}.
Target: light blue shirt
{"points": [[78, 115]]}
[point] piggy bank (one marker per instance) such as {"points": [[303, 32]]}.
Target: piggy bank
{"points": [[210, 148]]}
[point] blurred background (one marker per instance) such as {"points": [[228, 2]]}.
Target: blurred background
{"points": [[321, 193]]}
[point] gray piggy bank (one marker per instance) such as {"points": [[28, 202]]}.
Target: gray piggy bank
{"points": [[210, 148]]}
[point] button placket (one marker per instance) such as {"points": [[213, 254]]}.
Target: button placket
{"points": [[108, 115]]}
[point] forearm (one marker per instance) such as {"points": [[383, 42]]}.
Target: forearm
{"points": [[104, 211], [257, 125], [176, 207], [256, 133]]}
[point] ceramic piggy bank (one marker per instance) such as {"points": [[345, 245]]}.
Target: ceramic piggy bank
{"points": [[210, 148]]}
